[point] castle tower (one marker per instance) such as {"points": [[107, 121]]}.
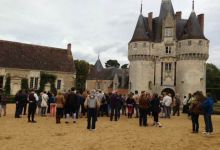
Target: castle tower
{"points": [[141, 59], [168, 53], [192, 54]]}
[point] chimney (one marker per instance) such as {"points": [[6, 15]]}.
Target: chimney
{"points": [[69, 47], [150, 21], [69, 53], [178, 15], [201, 21]]}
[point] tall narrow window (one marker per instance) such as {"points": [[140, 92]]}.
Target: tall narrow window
{"points": [[32, 83], [59, 82], [36, 83], [1, 81], [168, 67], [168, 49]]}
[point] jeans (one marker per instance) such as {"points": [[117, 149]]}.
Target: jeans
{"points": [[43, 111], [92, 118], [195, 122], [18, 110], [143, 117], [114, 112], [155, 115], [31, 111], [137, 110], [167, 111], [208, 123]]}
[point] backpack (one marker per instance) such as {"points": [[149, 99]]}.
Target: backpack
{"points": [[92, 103]]}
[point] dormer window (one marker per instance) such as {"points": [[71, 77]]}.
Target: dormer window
{"points": [[168, 32], [200, 42]]}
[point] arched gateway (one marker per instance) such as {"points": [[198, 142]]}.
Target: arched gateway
{"points": [[168, 90]]}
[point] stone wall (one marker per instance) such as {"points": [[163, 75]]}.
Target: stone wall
{"points": [[67, 79]]}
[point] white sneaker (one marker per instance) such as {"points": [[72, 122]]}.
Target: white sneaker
{"points": [[207, 134], [204, 132]]}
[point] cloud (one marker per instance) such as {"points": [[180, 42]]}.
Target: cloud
{"points": [[93, 26]]}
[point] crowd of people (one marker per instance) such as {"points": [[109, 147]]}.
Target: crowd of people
{"points": [[73, 105]]}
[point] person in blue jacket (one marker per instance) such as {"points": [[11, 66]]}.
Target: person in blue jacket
{"points": [[207, 107]]}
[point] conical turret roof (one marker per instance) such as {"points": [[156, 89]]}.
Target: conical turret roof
{"points": [[192, 29], [166, 7], [98, 65], [140, 32]]}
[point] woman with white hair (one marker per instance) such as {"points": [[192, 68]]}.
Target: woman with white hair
{"points": [[92, 104]]}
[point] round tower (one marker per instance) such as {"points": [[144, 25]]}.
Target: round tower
{"points": [[192, 54], [142, 65]]}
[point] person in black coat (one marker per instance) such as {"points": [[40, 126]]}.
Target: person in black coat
{"points": [[155, 108], [19, 104], [71, 106], [115, 105]]}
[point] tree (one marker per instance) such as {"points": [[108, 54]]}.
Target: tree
{"points": [[112, 63], [82, 70], [213, 80], [125, 66]]}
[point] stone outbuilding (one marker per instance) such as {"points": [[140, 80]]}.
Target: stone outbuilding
{"points": [[27, 61]]}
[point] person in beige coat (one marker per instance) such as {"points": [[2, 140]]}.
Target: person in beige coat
{"points": [[59, 100]]}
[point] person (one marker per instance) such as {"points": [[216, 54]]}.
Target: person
{"points": [[24, 109], [52, 105], [50, 100], [1, 97], [92, 104], [19, 104], [71, 106], [60, 101], [104, 106], [207, 107], [167, 101], [195, 110], [114, 105], [130, 105], [136, 99], [184, 105], [3, 103], [44, 101], [124, 105], [143, 106], [80, 101], [32, 100], [190, 98], [176, 105], [155, 108]]}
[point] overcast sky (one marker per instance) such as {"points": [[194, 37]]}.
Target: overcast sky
{"points": [[93, 26]]}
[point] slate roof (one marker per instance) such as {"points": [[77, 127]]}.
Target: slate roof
{"points": [[35, 57], [140, 32], [185, 28], [192, 28], [109, 74], [98, 65]]}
